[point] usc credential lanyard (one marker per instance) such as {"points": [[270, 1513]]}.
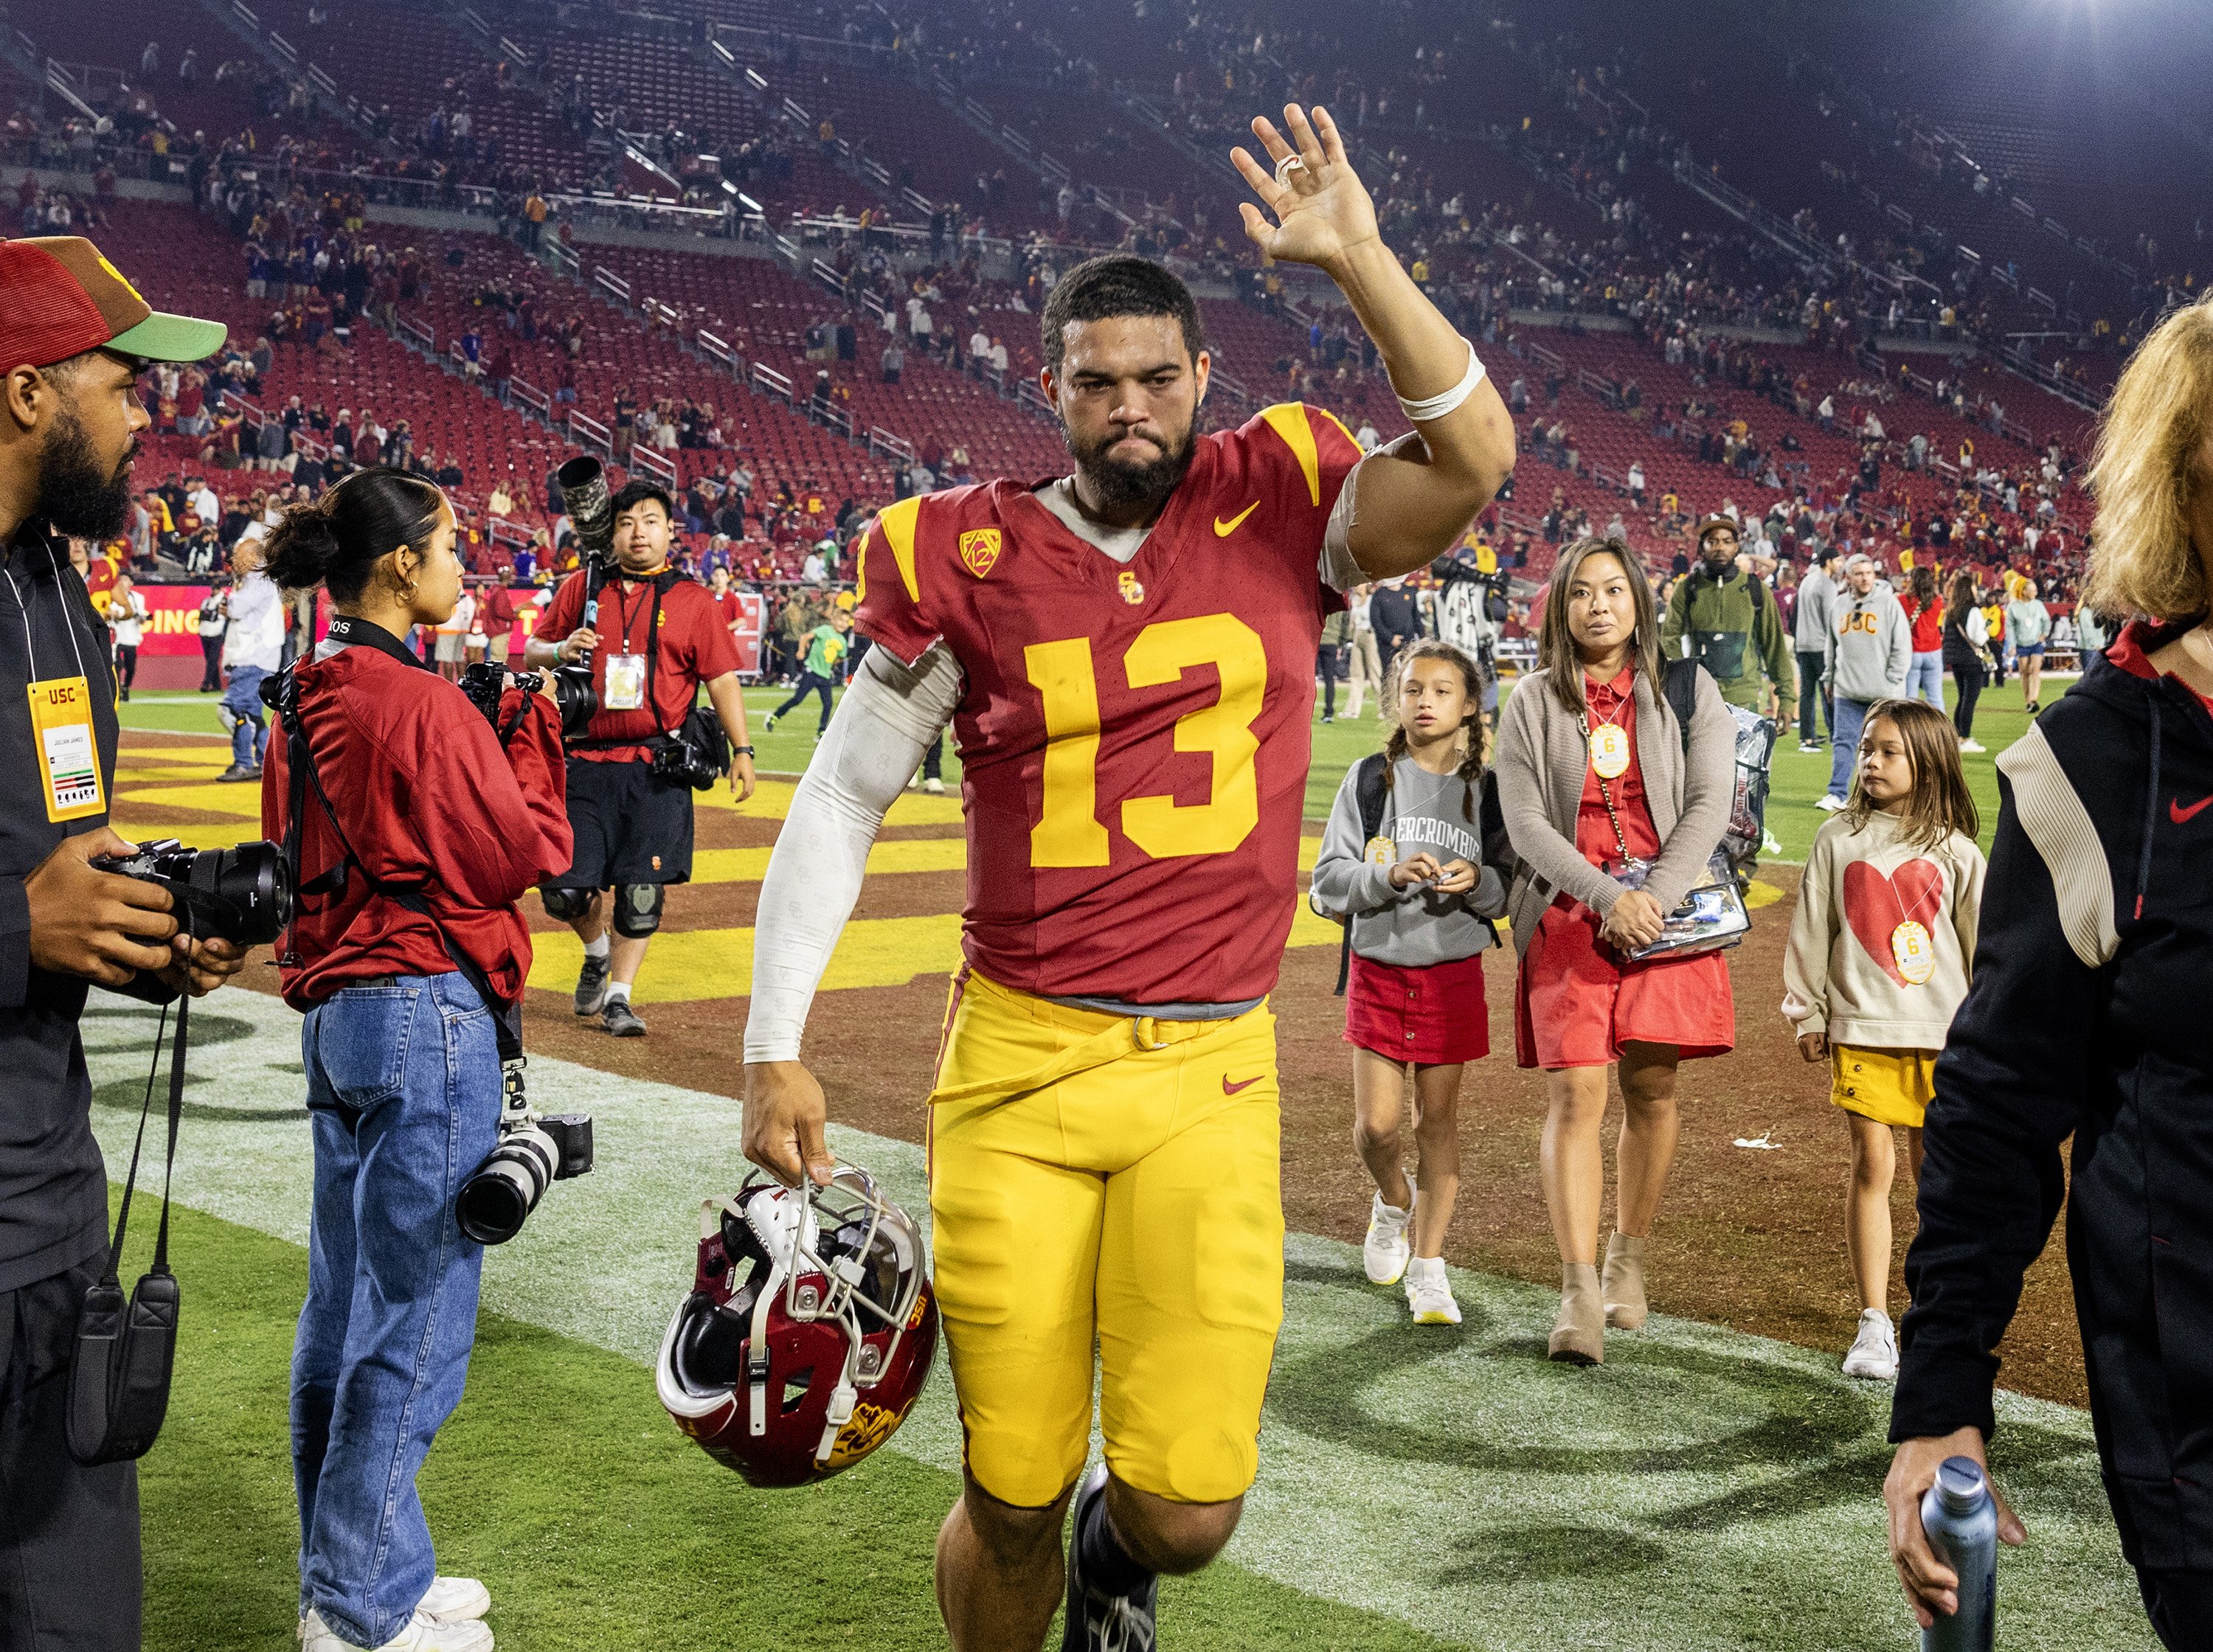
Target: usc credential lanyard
{"points": [[62, 738]]}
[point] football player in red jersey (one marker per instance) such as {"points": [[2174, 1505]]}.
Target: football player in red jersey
{"points": [[1126, 655]]}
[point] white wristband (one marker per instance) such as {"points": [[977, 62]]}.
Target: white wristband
{"points": [[1430, 407]]}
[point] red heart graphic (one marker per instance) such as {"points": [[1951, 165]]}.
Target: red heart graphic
{"points": [[1875, 905]]}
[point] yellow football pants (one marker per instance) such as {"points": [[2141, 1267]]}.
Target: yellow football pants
{"points": [[1096, 1180]]}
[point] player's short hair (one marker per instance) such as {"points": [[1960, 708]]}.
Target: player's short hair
{"points": [[637, 492], [1118, 283]]}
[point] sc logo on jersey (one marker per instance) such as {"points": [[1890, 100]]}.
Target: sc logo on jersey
{"points": [[980, 549]]}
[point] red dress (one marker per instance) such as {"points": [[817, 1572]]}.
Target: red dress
{"points": [[1576, 1001]]}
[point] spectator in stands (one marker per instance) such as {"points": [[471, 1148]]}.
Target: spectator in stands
{"points": [[1724, 617], [894, 361]]}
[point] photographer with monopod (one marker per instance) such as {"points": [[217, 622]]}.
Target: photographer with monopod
{"points": [[413, 819], [73, 337], [649, 638]]}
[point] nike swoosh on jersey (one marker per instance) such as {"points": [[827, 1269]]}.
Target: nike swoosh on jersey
{"points": [[1223, 530], [1227, 1088], [2182, 816]]}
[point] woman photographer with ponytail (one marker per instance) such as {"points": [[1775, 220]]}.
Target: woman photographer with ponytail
{"points": [[414, 828]]}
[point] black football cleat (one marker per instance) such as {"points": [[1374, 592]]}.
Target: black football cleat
{"points": [[1104, 1623]]}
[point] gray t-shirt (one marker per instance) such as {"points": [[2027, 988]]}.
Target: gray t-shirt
{"points": [[1417, 926]]}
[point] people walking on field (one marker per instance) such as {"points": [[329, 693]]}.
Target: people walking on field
{"points": [[2028, 626], [1881, 949], [1966, 645], [1870, 649], [1726, 618], [1402, 860], [1815, 613], [1365, 670], [1924, 619], [1614, 812]]}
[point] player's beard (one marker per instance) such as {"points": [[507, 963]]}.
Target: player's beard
{"points": [[1120, 485], [77, 495]]}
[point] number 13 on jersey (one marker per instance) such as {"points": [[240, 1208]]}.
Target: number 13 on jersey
{"points": [[1067, 832]]}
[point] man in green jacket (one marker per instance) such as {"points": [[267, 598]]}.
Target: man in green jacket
{"points": [[1731, 625]]}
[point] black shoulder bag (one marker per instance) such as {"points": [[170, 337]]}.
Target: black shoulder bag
{"points": [[118, 1387]]}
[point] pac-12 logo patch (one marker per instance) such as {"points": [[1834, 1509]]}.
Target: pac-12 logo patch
{"points": [[980, 549], [1132, 593]]}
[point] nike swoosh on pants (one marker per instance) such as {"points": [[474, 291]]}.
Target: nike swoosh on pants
{"points": [[2182, 816]]}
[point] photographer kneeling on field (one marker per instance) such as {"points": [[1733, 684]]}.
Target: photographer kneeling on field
{"points": [[412, 833], [73, 337], [654, 638]]}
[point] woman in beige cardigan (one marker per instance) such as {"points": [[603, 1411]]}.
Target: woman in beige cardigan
{"points": [[1592, 769]]}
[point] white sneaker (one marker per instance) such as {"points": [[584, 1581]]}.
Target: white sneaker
{"points": [[1829, 803], [1973, 746], [454, 1600], [934, 786], [1875, 1351], [423, 1634], [1385, 1252], [1428, 1294]]}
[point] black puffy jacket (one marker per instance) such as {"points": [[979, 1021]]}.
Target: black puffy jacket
{"points": [[2089, 1017]]}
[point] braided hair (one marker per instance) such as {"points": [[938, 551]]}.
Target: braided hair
{"points": [[1478, 752]]}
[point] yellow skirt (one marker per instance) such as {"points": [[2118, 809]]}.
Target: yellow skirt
{"points": [[1892, 1086]]}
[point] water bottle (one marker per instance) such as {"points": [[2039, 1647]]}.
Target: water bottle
{"points": [[1962, 1523]]}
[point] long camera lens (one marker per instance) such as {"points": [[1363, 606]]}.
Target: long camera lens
{"points": [[494, 1203]]}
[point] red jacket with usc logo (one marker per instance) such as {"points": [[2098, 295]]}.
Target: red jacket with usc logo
{"points": [[1134, 738]]}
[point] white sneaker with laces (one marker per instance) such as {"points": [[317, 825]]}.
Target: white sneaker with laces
{"points": [[1428, 1292], [423, 1634], [454, 1600], [1973, 746], [934, 786], [1829, 803], [1385, 1252], [1875, 1351]]}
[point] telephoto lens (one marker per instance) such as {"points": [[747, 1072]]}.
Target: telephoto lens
{"points": [[534, 1152], [584, 496]]}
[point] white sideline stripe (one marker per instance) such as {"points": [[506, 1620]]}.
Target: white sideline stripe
{"points": [[1450, 1547]]}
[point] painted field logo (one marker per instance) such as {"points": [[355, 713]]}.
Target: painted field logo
{"points": [[980, 549]]}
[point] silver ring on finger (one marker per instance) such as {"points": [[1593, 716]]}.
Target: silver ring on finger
{"points": [[1286, 167]]}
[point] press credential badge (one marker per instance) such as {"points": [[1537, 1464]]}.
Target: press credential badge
{"points": [[625, 682], [69, 756]]}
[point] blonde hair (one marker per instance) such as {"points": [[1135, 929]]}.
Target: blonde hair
{"points": [[1940, 804], [2141, 560]]}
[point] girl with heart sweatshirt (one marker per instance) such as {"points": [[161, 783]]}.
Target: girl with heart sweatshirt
{"points": [[1878, 958]]}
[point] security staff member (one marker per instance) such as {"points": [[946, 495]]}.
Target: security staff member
{"points": [[658, 637], [73, 337]]}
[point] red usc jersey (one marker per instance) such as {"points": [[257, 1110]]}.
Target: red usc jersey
{"points": [[1134, 739]]}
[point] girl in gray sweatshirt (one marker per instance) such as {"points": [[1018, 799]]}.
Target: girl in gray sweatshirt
{"points": [[1419, 901]]}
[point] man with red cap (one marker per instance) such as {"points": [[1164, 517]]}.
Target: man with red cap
{"points": [[74, 336]]}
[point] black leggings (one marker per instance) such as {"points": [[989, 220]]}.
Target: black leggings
{"points": [[810, 684], [1968, 675], [126, 665]]}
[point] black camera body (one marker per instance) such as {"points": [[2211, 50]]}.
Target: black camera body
{"points": [[485, 683], [696, 755], [242, 894]]}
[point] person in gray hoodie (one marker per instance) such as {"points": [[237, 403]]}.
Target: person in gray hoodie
{"points": [[1816, 614], [1870, 644], [1410, 879]]}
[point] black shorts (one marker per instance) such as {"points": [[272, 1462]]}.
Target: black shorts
{"points": [[631, 827]]}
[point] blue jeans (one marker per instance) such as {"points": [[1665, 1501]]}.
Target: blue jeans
{"points": [[249, 736], [404, 1089], [1846, 718], [1924, 677]]}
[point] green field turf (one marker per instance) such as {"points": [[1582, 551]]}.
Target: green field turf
{"points": [[1799, 778], [1419, 1488]]}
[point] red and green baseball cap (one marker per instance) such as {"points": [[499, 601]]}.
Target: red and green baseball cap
{"points": [[59, 297]]}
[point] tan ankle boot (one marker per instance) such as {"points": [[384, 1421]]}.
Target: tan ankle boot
{"points": [[1623, 1289], [1579, 1334]]}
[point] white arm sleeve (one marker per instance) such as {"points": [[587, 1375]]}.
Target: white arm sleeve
{"points": [[889, 719]]}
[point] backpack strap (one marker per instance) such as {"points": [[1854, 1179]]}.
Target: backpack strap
{"points": [[1370, 792], [1682, 695]]}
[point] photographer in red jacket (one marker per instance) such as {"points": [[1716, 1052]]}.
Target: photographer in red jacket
{"points": [[413, 830]]}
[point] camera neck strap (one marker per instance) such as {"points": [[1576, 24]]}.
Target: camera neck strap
{"points": [[663, 583], [302, 775], [169, 1158]]}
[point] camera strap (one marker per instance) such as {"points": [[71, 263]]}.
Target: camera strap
{"points": [[125, 1350], [299, 762]]}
